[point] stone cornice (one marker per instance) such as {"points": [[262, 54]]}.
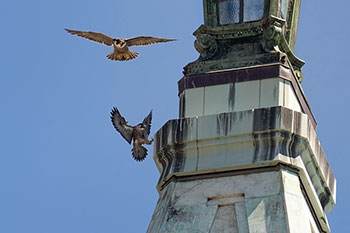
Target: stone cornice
{"points": [[247, 138]]}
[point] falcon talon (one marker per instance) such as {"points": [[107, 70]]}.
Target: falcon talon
{"points": [[138, 134], [121, 46]]}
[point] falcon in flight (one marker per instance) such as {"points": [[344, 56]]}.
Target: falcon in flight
{"points": [[139, 133], [121, 46]]}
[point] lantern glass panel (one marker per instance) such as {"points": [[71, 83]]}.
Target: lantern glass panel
{"points": [[253, 10], [283, 8], [229, 11]]}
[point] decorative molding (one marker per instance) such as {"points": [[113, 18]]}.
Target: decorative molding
{"points": [[273, 39], [222, 47], [266, 135], [272, 35], [233, 31], [206, 45]]}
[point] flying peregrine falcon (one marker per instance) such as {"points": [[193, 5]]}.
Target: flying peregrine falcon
{"points": [[121, 46], [139, 133]]}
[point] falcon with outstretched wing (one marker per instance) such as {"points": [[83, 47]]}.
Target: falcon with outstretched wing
{"points": [[121, 46], [138, 134]]}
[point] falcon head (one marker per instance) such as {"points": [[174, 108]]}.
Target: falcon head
{"points": [[141, 126], [119, 42]]}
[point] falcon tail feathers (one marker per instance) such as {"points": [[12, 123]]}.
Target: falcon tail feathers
{"points": [[139, 153], [128, 55]]}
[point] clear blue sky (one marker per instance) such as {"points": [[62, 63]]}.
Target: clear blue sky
{"points": [[63, 167]]}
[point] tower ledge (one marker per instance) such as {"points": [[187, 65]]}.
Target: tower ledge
{"points": [[219, 144]]}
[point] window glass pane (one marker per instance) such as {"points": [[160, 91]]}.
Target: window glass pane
{"points": [[228, 11], [253, 10], [283, 8]]}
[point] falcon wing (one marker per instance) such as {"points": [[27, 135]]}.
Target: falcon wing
{"points": [[145, 40], [120, 124], [147, 124], [94, 36]]}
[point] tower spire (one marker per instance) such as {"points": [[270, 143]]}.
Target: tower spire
{"points": [[244, 154]]}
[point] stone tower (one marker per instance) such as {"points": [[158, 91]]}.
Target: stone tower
{"points": [[243, 155]]}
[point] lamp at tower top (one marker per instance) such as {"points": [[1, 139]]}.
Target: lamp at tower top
{"points": [[238, 33], [232, 13]]}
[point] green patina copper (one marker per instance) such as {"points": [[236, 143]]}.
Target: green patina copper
{"points": [[257, 32]]}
